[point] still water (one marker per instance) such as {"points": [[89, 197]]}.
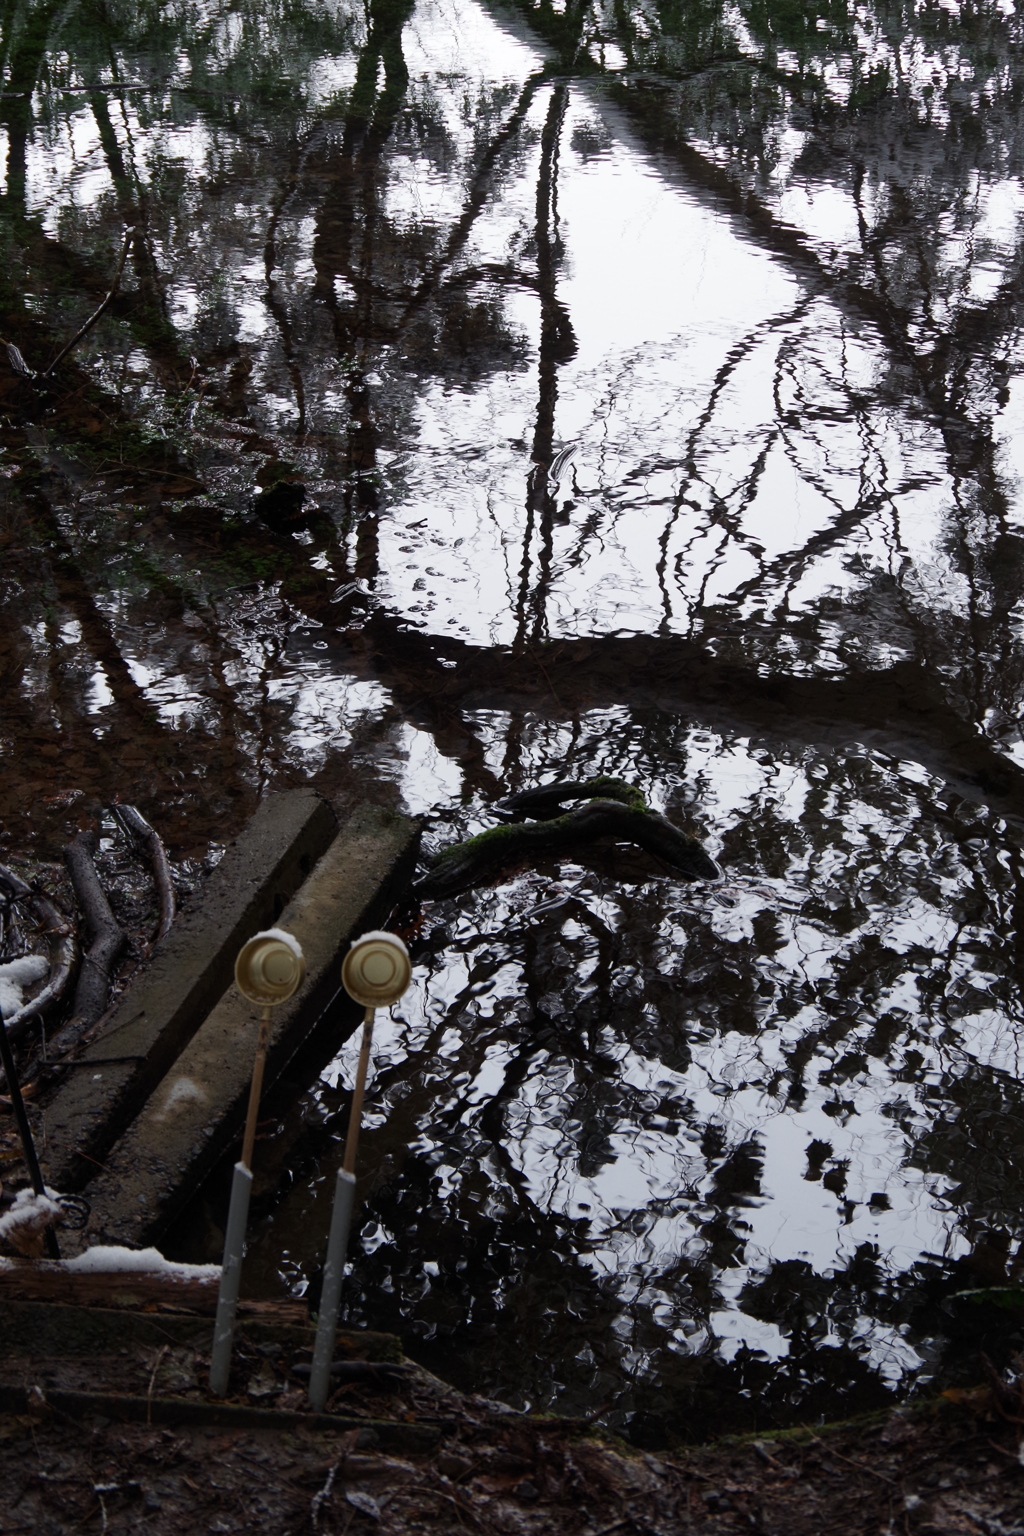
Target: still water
{"points": [[497, 395]]}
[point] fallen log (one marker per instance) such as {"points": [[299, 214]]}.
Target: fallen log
{"points": [[28, 1280]]}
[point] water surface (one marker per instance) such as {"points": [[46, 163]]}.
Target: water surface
{"points": [[653, 379]]}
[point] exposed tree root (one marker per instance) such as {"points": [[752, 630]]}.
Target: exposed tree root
{"points": [[106, 940], [614, 809], [63, 950], [138, 830]]}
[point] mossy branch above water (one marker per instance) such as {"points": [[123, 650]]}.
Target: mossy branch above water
{"points": [[548, 797], [614, 809]]}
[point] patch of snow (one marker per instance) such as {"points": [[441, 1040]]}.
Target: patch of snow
{"points": [[184, 1091], [378, 933], [15, 976], [148, 1261], [29, 1211], [286, 938]]}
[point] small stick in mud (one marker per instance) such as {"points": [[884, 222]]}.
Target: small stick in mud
{"points": [[138, 829], [106, 940]]}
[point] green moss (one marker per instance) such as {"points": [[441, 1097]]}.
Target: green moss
{"points": [[496, 839], [604, 787]]}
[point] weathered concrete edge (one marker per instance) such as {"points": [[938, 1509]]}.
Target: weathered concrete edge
{"points": [[181, 1133], [260, 871]]}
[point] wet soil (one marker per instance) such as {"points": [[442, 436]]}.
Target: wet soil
{"points": [[944, 1468]]}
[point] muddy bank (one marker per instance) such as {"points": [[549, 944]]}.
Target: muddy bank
{"points": [[943, 1467]]}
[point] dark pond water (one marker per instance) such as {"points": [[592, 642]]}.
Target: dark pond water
{"points": [[653, 376]]}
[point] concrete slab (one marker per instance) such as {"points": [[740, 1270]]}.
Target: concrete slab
{"points": [[199, 1106], [157, 1016]]}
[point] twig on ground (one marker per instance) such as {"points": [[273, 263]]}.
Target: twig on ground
{"points": [[99, 1489], [761, 1450], [320, 1499], [152, 1383], [138, 829], [858, 1465]]}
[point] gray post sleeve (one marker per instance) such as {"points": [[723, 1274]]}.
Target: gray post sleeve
{"points": [[330, 1296], [230, 1278]]}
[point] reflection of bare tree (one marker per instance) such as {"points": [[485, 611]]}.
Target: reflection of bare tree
{"points": [[584, 969], [557, 345]]}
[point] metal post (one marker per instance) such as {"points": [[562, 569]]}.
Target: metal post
{"points": [[269, 969], [356, 1114], [337, 1242], [256, 1088], [230, 1279], [25, 1131], [330, 1295], [238, 1217]]}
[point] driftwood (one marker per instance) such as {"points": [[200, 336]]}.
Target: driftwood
{"points": [[24, 1280], [613, 809], [106, 940], [138, 829], [63, 952]]}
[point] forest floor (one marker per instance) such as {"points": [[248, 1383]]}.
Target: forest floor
{"points": [[422, 1457]]}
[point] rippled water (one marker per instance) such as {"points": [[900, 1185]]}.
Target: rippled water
{"points": [[654, 381]]}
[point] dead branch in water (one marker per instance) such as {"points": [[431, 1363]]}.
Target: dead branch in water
{"points": [[138, 829], [613, 809], [106, 938], [63, 955], [17, 361], [87, 327]]}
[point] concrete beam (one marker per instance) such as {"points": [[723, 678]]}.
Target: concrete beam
{"points": [[164, 1006], [190, 1120]]}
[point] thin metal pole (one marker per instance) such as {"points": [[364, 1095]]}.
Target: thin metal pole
{"points": [[25, 1131], [337, 1241], [234, 1234], [230, 1280], [256, 1088], [330, 1294], [356, 1112]]}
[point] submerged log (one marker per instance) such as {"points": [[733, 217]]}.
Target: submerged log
{"points": [[614, 809]]}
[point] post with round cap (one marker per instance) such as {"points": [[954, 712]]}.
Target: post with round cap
{"points": [[269, 968], [376, 972]]}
